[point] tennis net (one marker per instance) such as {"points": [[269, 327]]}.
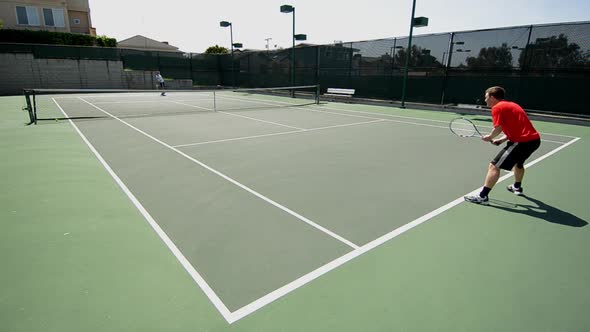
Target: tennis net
{"points": [[81, 104]]}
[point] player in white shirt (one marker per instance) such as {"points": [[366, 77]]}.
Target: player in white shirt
{"points": [[161, 82]]}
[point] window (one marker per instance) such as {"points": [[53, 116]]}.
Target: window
{"points": [[54, 17], [27, 15], [48, 15]]}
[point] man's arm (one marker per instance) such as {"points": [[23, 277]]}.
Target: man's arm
{"points": [[500, 140], [488, 138]]}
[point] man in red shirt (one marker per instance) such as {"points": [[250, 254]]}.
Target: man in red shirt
{"points": [[523, 139]]}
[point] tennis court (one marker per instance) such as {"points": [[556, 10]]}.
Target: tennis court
{"points": [[261, 212]]}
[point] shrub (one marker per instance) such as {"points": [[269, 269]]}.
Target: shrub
{"points": [[55, 38]]}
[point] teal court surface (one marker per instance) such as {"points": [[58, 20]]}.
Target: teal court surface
{"points": [[239, 212]]}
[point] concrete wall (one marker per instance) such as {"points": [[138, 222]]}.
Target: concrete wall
{"points": [[22, 71]]}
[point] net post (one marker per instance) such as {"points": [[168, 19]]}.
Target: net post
{"points": [[214, 102], [34, 107], [29, 107], [317, 94]]}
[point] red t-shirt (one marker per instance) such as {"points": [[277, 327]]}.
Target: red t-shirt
{"points": [[515, 123]]}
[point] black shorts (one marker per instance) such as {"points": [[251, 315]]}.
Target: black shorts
{"points": [[515, 154], [162, 85]]}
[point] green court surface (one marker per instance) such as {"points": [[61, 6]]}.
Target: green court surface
{"points": [[330, 217]]}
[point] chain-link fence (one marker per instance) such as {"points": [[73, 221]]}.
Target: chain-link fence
{"points": [[543, 67]]}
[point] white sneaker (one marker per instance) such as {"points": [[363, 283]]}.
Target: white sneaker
{"points": [[477, 199], [516, 191]]}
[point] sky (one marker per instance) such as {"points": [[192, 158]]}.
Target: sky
{"points": [[193, 26]]}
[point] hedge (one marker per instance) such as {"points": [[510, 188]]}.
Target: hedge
{"points": [[56, 38]]}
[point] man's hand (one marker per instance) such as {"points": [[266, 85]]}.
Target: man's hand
{"points": [[486, 138], [499, 141]]}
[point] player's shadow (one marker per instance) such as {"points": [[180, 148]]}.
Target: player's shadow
{"points": [[540, 210]]}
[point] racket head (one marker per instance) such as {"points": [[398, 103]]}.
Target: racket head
{"points": [[463, 127]]}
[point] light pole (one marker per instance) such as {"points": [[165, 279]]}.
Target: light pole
{"points": [[290, 9], [414, 22], [267, 40], [225, 24]]}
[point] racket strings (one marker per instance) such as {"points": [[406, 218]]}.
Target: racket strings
{"points": [[463, 128]]}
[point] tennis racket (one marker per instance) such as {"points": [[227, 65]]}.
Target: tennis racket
{"points": [[465, 128]]}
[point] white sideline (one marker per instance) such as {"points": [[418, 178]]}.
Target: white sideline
{"points": [[276, 294], [375, 119], [177, 253], [213, 297], [246, 310]]}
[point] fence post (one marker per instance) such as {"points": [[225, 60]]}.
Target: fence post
{"points": [[391, 80], [350, 66], [447, 65], [158, 61], [526, 48], [317, 71], [522, 79], [190, 66]]}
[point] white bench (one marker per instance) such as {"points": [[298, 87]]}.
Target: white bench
{"points": [[339, 92]]}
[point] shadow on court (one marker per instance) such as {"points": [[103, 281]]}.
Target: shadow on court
{"points": [[540, 210]]}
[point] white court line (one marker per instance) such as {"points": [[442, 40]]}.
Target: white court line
{"points": [[406, 117], [155, 94], [259, 120], [150, 101], [344, 114], [270, 297], [286, 103], [243, 116], [124, 102], [328, 127], [321, 110], [229, 179], [274, 103], [177, 253], [396, 116], [277, 134], [550, 141], [200, 107], [282, 291], [223, 310]]}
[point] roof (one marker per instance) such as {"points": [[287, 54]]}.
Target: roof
{"points": [[144, 43]]}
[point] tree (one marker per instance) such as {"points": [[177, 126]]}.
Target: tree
{"points": [[420, 57], [552, 52], [492, 57], [216, 50]]}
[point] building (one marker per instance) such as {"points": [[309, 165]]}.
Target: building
{"points": [[142, 43], [50, 15]]}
